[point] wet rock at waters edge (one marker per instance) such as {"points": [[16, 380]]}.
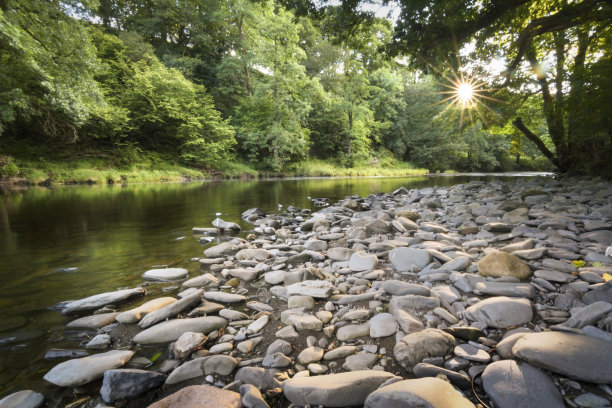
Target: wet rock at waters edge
{"points": [[200, 396], [423, 392], [97, 301], [134, 315], [23, 399], [73, 373], [122, 384], [172, 329], [165, 274]]}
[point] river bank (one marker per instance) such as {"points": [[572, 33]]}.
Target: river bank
{"points": [[451, 281]]}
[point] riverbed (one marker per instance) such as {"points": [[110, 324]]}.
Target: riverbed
{"points": [[64, 243]]}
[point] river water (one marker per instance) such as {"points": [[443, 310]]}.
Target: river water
{"points": [[70, 242]]}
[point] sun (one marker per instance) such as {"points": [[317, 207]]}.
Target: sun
{"points": [[465, 93]]}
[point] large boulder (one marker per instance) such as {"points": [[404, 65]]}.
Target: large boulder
{"points": [[501, 312], [334, 390], [73, 373], [415, 347], [498, 264], [200, 396], [422, 392]]}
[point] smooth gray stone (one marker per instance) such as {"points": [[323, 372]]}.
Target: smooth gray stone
{"points": [[340, 253], [519, 246], [188, 370], [310, 355], [305, 322], [224, 297], [530, 254], [97, 301], [501, 312], [429, 370], [404, 258], [99, 342], [93, 322], [362, 261], [421, 392], [554, 276], [165, 274], [276, 360], [383, 325], [557, 265], [315, 244], [73, 373], [603, 293], [340, 352], [251, 397], [198, 396], [222, 249], [471, 353], [225, 225], [352, 331], [598, 333], [590, 400], [458, 264], [576, 356], [415, 347], [510, 289], [316, 288], [413, 303], [22, 399], [119, 385], [512, 385], [602, 237], [279, 346], [588, 315], [446, 294], [171, 309], [171, 330], [408, 322], [334, 390], [134, 315], [399, 288], [498, 264], [219, 365], [361, 361], [258, 254]]}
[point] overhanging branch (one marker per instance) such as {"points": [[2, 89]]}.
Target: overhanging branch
{"points": [[518, 123]]}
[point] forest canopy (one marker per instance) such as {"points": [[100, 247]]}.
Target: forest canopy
{"points": [[463, 85]]}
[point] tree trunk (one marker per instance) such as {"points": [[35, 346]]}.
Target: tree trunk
{"points": [[350, 118], [249, 88], [518, 123], [518, 159]]}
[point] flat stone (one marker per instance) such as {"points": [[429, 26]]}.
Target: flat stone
{"points": [[171, 310], [579, 357], [413, 303], [472, 353], [276, 360], [352, 331], [136, 314], [315, 244], [601, 293], [340, 352], [97, 301], [307, 302], [316, 288], [590, 400], [446, 294], [399, 288], [429, 370], [403, 259], [340, 253], [421, 392], [251, 397], [165, 274], [171, 330], [263, 378], [225, 225], [305, 322], [23, 399], [510, 289], [408, 322], [458, 264], [93, 322], [224, 297], [361, 361], [246, 275], [200, 396], [512, 385], [119, 385], [187, 343], [310, 355], [334, 390], [362, 261], [498, 264], [554, 276], [415, 347], [253, 253], [501, 312], [588, 315], [383, 325], [222, 249], [206, 279], [519, 246], [73, 373], [99, 342]]}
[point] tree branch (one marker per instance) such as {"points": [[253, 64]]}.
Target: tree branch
{"points": [[518, 123]]}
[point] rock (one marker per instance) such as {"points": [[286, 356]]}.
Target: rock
{"points": [[498, 264], [352, 331], [307, 302], [429, 370], [362, 261], [465, 333], [22, 399], [93, 322], [334, 390], [445, 293], [590, 400], [119, 385], [382, 325], [251, 397], [99, 342], [512, 385], [73, 373], [340, 352], [220, 365], [134, 315], [407, 322], [224, 297], [315, 245], [222, 249], [361, 361], [316, 288], [187, 343], [305, 322], [225, 225], [413, 303], [399, 288], [457, 264], [501, 312], [263, 378], [246, 275], [519, 246], [403, 259], [172, 329], [422, 392], [97, 301], [576, 356], [472, 353], [588, 315], [203, 280], [171, 310], [276, 360], [554, 276], [310, 355], [200, 396], [340, 253], [601, 293], [165, 274], [601, 237], [415, 347], [510, 289], [258, 324], [253, 253]]}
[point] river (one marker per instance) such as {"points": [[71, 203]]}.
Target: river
{"points": [[70, 242]]}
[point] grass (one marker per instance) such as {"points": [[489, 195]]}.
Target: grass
{"points": [[322, 168]]}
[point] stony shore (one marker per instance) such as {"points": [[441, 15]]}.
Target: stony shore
{"points": [[492, 294]]}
